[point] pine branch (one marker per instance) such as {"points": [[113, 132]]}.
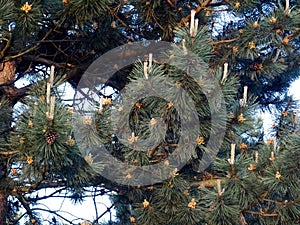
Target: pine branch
{"points": [[6, 47], [281, 117], [35, 47], [207, 183], [224, 41], [95, 206], [48, 62], [29, 199], [13, 94], [173, 6], [26, 206], [58, 215], [283, 203], [201, 7], [9, 153], [6, 131], [106, 211], [262, 213]]}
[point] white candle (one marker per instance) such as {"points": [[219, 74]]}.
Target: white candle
{"points": [[287, 7], [195, 27], [232, 154], [48, 93], [51, 78], [219, 187], [245, 94], [101, 104], [193, 12], [146, 70], [52, 107], [274, 144], [185, 52], [150, 61], [296, 118], [256, 156], [225, 71]]}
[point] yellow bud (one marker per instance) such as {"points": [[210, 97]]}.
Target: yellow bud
{"points": [[107, 101], [252, 45], [237, 5], [128, 176], [241, 118], [243, 146], [132, 219], [192, 204], [169, 105], [252, 167], [285, 40], [277, 175], [200, 140], [273, 20], [22, 140], [29, 160], [30, 124], [146, 203], [26, 7], [255, 24]]}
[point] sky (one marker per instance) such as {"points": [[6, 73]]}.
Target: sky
{"points": [[83, 211], [295, 89]]}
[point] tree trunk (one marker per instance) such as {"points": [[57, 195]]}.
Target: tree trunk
{"points": [[7, 72], [3, 209], [7, 77]]}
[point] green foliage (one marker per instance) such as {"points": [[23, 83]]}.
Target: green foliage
{"points": [[46, 147], [6, 11], [85, 11], [144, 124], [28, 17]]}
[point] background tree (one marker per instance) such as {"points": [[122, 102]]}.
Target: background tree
{"points": [[257, 40]]}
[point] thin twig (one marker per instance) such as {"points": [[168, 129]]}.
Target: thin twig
{"points": [[262, 213]]}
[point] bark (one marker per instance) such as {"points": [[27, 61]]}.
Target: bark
{"points": [[7, 77], [7, 72], [3, 209]]}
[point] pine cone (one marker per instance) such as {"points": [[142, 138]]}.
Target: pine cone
{"points": [[50, 137]]}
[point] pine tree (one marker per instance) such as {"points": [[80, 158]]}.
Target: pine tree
{"points": [[228, 61]]}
